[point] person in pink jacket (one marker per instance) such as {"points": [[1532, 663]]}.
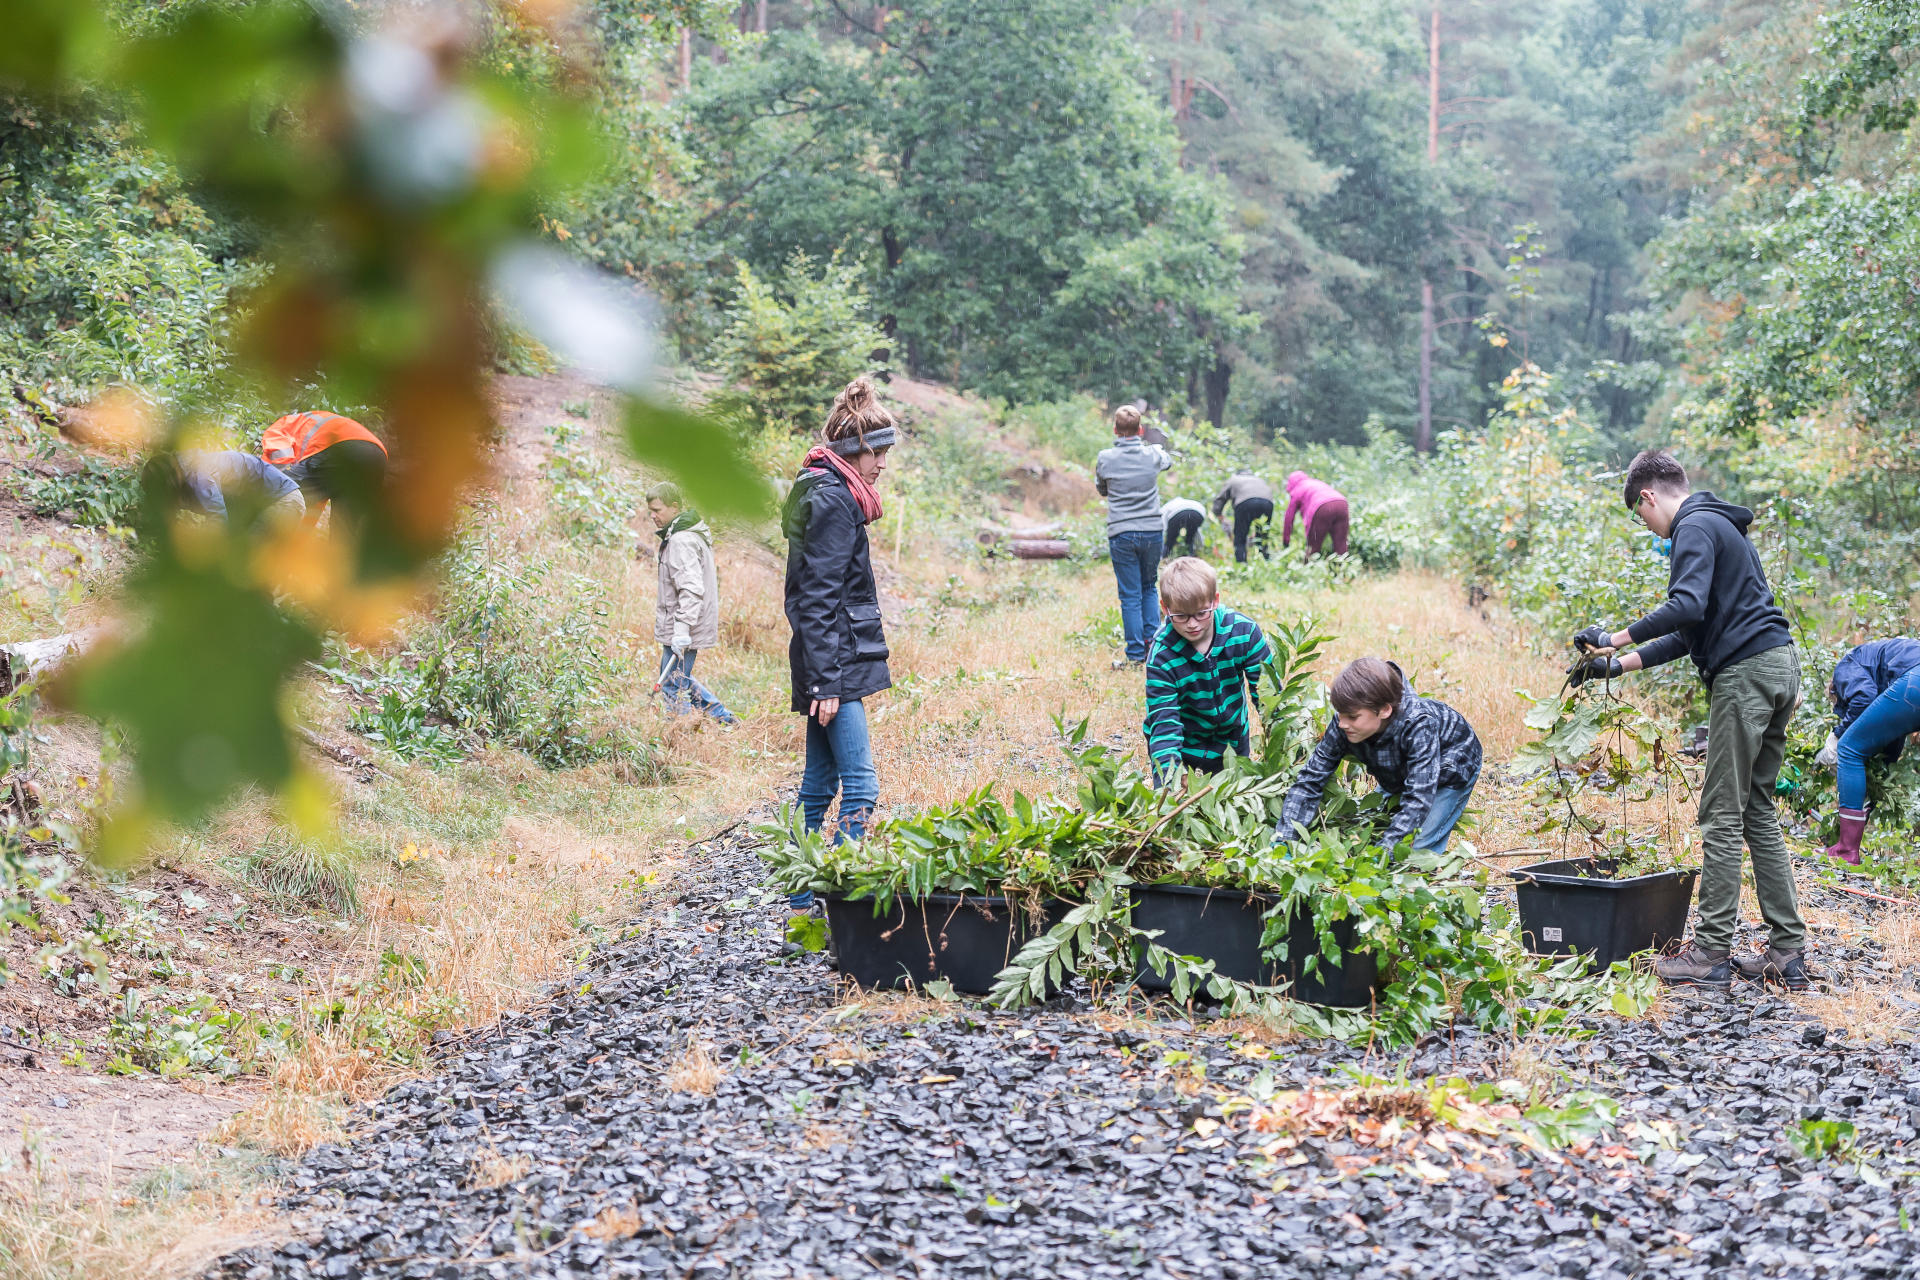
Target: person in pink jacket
{"points": [[1322, 510]]}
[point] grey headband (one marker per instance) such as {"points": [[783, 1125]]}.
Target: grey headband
{"points": [[852, 447]]}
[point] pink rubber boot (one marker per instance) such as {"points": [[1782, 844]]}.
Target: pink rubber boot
{"points": [[1853, 825]]}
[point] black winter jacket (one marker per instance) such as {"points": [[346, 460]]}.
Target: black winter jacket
{"points": [[1864, 675], [839, 649], [1427, 747], [1719, 608]]}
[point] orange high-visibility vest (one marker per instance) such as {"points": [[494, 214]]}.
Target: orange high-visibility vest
{"points": [[299, 436]]}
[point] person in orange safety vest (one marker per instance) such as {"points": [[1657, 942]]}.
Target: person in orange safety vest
{"points": [[332, 458]]}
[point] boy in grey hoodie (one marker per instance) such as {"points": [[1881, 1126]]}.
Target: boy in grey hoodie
{"points": [[687, 616]]}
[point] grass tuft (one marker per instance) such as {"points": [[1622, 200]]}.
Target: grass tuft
{"points": [[309, 874]]}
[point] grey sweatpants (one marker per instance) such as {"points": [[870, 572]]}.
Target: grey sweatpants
{"points": [[1746, 738]]}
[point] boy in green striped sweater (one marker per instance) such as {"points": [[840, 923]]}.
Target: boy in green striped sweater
{"points": [[1203, 663]]}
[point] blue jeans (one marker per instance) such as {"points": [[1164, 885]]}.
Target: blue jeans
{"points": [[682, 692], [1136, 568], [1888, 718], [1448, 804], [839, 759]]}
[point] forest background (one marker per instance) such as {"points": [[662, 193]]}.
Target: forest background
{"points": [[1463, 257]]}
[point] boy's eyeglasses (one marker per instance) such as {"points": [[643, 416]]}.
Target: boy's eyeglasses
{"points": [[1191, 617]]}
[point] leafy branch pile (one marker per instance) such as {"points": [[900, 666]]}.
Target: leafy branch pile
{"points": [[1443, 949]]}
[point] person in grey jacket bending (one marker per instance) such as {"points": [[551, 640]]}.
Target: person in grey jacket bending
{"points": [[1128, 477], [1252, 500], [1419, 749], [686, 616]]}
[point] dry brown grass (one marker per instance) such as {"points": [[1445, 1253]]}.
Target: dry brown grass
{"points": [[843, 1052], [822, 1137], [288, 1122], [615, 1222], [492, 1168], [1869, 1008], [137, 1230], [695, 1071], [891, 1008], [486, 930]]}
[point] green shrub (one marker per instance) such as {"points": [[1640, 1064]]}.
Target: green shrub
{"points": [[793, 341], [591, 498], [1075, 429], [109, 272], [97, 493]]}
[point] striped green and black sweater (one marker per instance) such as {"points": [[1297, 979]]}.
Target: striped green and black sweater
{"points": [[1197, 703]]}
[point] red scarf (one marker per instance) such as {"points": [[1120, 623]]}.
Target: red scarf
{"points": [[863, 493]]}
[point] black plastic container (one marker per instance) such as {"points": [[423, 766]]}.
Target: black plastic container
{"points": [[965, 939], [1223, 925], [1570, 906]]}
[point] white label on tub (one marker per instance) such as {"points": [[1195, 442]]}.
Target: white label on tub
{"points": [[1550, 935]]}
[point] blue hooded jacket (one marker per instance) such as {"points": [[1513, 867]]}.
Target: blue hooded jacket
{"points": [[1865, 673]]}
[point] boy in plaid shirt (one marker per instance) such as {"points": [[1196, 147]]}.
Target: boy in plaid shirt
{"points": [[1203, 663]]}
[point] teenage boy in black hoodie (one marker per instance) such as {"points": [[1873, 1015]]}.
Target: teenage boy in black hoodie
{"points": [[1720, 612]]}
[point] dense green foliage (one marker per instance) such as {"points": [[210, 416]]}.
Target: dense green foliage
{"points": [[999, 173], [793, 338]]}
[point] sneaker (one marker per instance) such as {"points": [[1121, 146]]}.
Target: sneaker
{"points": [[1788, 968], [1121, 664], [1696, 967]]}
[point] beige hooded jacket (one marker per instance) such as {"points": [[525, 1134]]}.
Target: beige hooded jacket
{"points": [[688, 613]]}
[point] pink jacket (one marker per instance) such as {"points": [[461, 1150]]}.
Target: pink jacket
{"points": [[1305, 496]]}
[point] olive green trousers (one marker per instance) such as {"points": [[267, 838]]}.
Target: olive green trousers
{"points": [[1752, 701]]}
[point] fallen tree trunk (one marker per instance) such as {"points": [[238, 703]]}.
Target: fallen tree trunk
{"points": [[990, 533], [1041, 549], [29, 659]]}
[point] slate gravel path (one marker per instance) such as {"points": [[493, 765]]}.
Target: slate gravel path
{"points": [[878, 1137]]}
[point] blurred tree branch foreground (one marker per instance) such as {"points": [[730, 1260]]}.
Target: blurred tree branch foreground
{"points": [[399, 181]]}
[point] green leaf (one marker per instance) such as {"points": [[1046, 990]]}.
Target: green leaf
{"points": [[197, 689], [703, 458], [809, 932]]}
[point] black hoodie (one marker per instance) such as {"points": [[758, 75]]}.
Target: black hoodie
{"points": [[1719, 608]]}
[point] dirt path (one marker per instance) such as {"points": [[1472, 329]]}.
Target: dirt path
{"points": [[97, 1129], [694, 1106]]}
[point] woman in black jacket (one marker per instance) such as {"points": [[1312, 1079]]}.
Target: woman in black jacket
{"points": [[839, 653]]}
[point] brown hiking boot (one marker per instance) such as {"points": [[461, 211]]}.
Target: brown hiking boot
{"points": [[1695, 967], [1788, 968]]}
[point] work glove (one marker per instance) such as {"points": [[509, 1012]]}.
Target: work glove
{"points": [[1595, 668], [1829, 754], [682, 641], [1594, 638]]}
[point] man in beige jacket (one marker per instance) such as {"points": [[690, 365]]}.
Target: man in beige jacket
{"points": [[687, 617]]}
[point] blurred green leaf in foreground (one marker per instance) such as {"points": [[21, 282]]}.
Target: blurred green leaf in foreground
{"points": [[399, 180]]}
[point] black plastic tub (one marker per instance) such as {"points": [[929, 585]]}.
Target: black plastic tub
{"points": [[1571, 907], [965, 939], [1224, 926]]}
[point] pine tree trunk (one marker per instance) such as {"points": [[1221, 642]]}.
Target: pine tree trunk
{"points": [[1423, 429], [1218, 379], [686, 58], [1176, 88]]}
